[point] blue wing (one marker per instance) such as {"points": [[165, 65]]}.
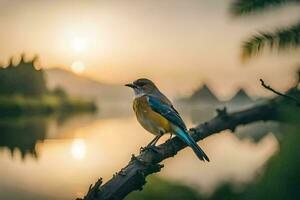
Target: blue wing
{"points": [[166, 110], [169, 112]]}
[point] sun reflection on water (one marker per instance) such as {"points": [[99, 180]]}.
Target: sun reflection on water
{"points": [[78, 149], [88, 149]]}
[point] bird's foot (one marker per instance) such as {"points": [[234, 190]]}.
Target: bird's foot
{"points": [[151, 148]]}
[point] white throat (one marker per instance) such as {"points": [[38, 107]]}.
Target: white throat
{"points": [[138, 93]]}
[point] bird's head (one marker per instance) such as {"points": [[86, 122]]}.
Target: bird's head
{"points": [[142, 86]]}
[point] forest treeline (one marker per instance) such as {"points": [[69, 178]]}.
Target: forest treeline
{"points": [[22, 79], [23, 90]]}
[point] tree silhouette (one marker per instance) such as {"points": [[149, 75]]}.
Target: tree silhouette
{"points": [[280, 39], [22, 78]]}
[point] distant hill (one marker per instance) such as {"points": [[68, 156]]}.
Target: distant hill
{"points": [[203, 95], [84, 87], [241, 96]]}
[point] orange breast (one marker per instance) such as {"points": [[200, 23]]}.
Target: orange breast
{"points": [[149, 119]]}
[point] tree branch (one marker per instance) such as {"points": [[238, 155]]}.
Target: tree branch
{"points": [[132, 177], [279, 93]]}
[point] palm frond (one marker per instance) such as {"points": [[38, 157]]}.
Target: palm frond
{"points": [[244, 7], [280, 39]]}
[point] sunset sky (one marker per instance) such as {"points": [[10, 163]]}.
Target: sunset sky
{"points": [[179, 44]]}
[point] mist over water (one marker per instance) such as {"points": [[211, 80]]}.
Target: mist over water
{"points": [[41, 155]]}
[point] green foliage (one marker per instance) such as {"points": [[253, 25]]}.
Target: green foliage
{"points": [[59, 92], [279, 39], [244, 7], [23, 91], [22, 79], [158, 188], [18, 105], [282, 177]]}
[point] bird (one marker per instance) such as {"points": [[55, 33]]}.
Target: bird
{"points": [[156, 113]]}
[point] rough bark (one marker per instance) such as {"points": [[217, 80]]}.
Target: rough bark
{"points": [[132, 177]]}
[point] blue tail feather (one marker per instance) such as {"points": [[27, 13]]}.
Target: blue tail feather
{"points": [[184, 135]]}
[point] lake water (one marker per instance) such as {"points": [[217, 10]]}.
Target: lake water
{"points": [[59, 157]]}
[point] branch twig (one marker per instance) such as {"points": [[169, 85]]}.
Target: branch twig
{"points": [[279, 93], [132, 177]]}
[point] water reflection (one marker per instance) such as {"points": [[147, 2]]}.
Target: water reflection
{"points": [[78, 149], [22, 134], [199, 113], [73, 152]]}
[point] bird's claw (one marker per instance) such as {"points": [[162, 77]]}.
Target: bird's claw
{"points": [[151, 148]]}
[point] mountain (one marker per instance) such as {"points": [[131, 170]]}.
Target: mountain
{"points": [[84, 87], [241, 96], [204, 95]]}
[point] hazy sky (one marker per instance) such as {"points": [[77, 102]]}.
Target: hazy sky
{"points": [[177, 43]]}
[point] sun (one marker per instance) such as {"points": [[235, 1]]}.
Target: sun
{"points": [[78, 67], [78, 149], [78, 44]]}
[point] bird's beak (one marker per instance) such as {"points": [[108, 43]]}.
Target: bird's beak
{"points": [[131, 85]]}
